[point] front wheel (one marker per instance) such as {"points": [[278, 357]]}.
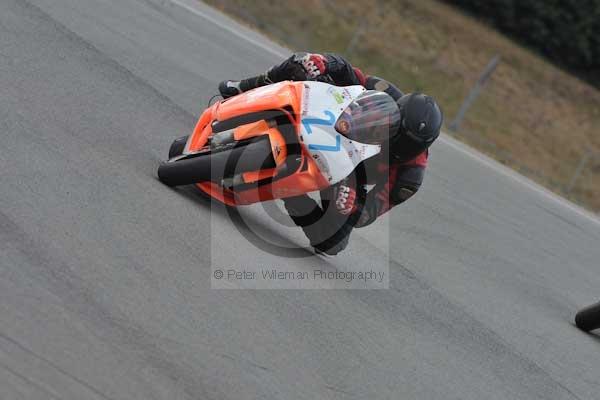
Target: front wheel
{"points": [[588, 319], [247, 156]]}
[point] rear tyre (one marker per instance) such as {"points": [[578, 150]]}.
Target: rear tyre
{"points": [[588, 319], [177, 146], [252, 155]]}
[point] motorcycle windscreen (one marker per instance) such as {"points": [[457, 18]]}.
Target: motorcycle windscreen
{"points": [[372, 118]]}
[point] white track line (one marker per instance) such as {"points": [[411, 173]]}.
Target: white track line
{"points": [[194, 8], [510, 173]]}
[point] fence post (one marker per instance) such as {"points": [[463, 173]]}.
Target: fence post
{"points": [[360, 29], [483, 78], [578, 171]]}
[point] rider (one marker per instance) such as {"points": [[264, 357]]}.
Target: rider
{"points": [[399, 176]]}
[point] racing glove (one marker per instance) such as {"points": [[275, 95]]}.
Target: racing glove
{"points": [[299, 67], [314, 65]]}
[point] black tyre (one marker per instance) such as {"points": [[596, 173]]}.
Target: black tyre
{"points": [[588, 319], [177, 146], [251, 155]]}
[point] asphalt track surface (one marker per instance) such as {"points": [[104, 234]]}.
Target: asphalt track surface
{"points": [[105, 273]]}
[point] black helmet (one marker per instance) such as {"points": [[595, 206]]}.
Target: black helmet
{"points": [[421, 121]]}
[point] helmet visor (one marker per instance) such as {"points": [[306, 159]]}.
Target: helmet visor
{"points": [[372, 118]]}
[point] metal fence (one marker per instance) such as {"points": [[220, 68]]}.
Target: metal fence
{"points": [[581, 175]]}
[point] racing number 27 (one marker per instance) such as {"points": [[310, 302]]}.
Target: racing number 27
{"points": [[307, 122]]}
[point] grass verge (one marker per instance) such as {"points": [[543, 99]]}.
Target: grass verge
{"points": [[530, 116]]}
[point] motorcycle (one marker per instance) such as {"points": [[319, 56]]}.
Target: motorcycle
{"points": [[281, 140], [588, 318]]}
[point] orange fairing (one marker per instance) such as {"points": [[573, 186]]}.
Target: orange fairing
{"points": [[285, 96], [263, 128], [250, 130], [307, 179], [272, 97], [218, 192], [202, 130], [254, 176]]}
